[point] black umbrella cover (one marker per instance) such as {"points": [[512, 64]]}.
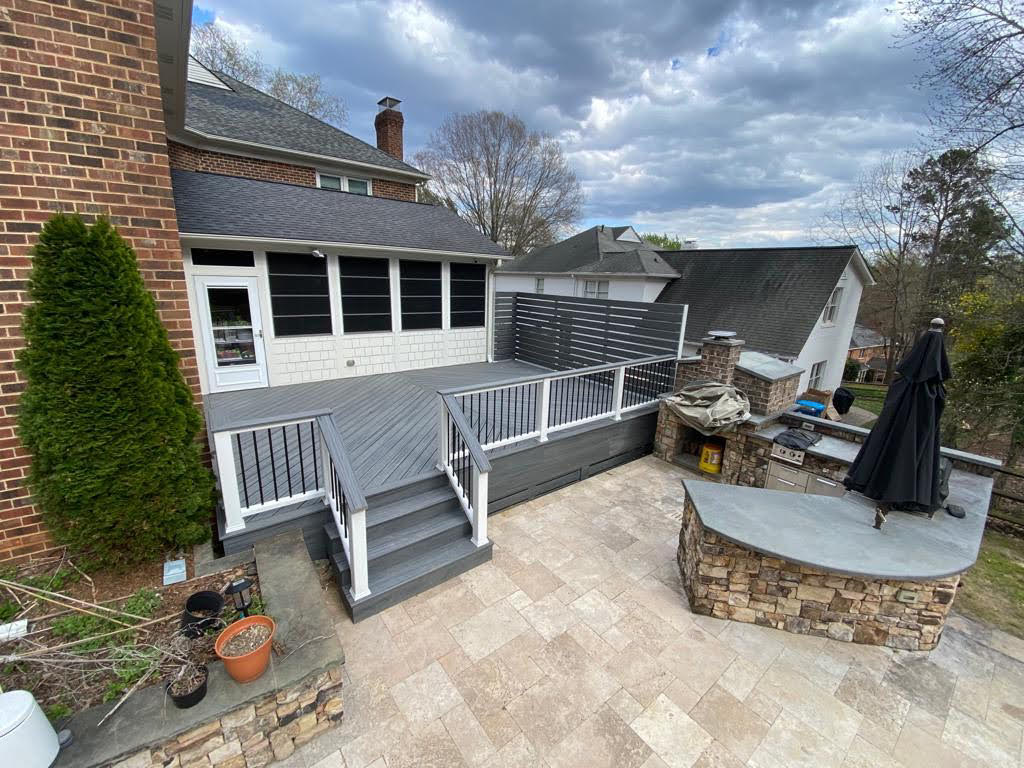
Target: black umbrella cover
{"points": [[898, 463]]}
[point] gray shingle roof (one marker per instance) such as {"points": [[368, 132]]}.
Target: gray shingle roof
{"points": [[228, 205], [596, 251], [771, 297], [863, 336], [246, 114]]}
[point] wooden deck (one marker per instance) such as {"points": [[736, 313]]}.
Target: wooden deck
{"points": [[388, 422]]}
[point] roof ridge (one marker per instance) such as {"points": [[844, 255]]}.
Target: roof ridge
{"points": [[763, 248]]}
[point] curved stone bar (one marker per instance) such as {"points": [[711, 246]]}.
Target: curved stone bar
{"points": [[815, 565]]}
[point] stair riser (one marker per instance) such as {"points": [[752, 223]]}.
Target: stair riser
{"points": [[409, 519], [377, 603], [406, 491], [420, 546]]}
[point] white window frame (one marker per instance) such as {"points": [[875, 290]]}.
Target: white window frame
{"points": [[599, 287], [817, 374], [344, 182], [538, 285], [828, 315]]}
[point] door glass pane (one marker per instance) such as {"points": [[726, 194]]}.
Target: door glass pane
{"points": [[232, 326]]}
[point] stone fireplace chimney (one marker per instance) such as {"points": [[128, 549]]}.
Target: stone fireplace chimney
{"points": [[389, 123], [720, 351]]}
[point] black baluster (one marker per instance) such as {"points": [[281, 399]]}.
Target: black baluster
{"points": [[302, 464], [241, 465], [259, 474]]}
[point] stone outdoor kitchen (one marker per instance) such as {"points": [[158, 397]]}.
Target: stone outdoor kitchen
{"points": [[775, 539]]}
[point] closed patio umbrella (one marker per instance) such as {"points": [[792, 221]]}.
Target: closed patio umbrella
{"points": [[898, 464]]}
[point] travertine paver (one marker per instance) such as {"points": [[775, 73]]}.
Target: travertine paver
{"points": [[575, 647]]}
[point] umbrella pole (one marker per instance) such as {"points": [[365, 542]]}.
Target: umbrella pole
{"points": [[880, 514]]}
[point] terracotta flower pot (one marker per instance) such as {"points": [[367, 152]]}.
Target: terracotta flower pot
{"points": [[248, 666]]}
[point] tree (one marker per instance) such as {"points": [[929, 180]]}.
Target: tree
{"points": [[882, 216], [976, 52], [217, 48], [665, 242], [511, 183], [106, 413]]}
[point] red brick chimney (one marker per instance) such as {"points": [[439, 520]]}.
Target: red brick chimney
{"points": [[389, 122]]}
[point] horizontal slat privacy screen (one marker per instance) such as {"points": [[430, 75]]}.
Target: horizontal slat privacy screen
{"points": [[468, 295], [365, 294], [299, 296], [421, 294], [562, 332]]}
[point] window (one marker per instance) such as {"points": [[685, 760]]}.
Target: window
{"points": [[817, 375], [217, 257], [365, 294], [828, 316], [538, 285], [420, 283], [595, 289], [331, 182], [344, 184], [299, 296], [468, 295]]}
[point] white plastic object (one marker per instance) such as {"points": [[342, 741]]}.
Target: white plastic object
{"points": [[27, 739]]}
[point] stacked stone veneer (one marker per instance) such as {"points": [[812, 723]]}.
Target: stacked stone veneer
{"points": [[256, 734], [728, 581]]}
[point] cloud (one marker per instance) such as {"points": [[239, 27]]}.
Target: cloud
{"points": [[731, 121]]}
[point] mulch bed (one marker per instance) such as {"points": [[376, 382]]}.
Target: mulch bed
{"points": [[113, 665]]}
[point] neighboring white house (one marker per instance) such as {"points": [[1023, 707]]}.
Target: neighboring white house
{"points": [[797, 304]]}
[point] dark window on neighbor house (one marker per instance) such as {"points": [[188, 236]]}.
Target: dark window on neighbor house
{"points": [[469, 295], [219, 257], [421, 294], [299, 296], [365, 294]]}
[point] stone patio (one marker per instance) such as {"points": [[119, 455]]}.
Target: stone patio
{"points": [[575, 647]]}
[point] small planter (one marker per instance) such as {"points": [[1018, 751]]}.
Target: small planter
{"points": [[249, 665], [193, 697], [202, 611]]}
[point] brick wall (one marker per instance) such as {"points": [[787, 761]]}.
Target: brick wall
{"points": [[193, 159], [767, 397], [81, 129], [396, 190]]}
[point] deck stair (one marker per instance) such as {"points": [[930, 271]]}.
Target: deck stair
{"points": [[417, 536]]}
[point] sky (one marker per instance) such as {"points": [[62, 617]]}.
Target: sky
{"points": [[732, 122]]}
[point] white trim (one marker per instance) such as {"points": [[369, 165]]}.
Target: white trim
{"points": [[199, 237], [230, 378], [284, 501], [343, 180], [299, 153], [446, 296]]}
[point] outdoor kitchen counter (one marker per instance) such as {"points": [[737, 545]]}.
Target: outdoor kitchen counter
{"points": [[834, 448], [836, 534]]}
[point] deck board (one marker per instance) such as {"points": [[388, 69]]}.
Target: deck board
{"points": [[388, 422]]}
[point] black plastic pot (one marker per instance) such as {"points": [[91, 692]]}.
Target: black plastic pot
{"points": [[191, 698], [192, 624]]}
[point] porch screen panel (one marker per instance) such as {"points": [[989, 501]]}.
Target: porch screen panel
{"points": [[365, 294], [469, 295], [421, 294], [299, 295]]}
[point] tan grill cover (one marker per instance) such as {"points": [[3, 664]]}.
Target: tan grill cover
{"points": [[710, 407]]}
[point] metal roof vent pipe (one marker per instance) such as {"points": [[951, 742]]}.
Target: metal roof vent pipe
{"points": [[389, 123]]}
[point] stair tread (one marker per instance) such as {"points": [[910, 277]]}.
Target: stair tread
{"points": [[377, 546], [387, 512]]}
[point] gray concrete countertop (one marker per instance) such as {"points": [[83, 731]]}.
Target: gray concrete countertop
{"points": [[836, 533], [828, 447]]}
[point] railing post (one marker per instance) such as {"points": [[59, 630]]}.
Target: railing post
{"points": [[442, 433], [479, 502], [543, 397], [224, 453], [357, 550], [620, 385], [325, 467]]}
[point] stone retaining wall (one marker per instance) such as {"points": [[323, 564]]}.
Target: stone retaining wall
{"points": [[725, 580], [256, 734]]}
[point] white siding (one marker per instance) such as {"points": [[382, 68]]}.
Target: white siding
{"points": [[832, 342], [553, 284], [621, 288]]}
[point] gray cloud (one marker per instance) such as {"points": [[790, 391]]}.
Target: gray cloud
{"points": [[743, 145]]}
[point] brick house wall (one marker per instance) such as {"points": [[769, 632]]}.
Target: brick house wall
{"points": [[193, 159], [81, 130]]}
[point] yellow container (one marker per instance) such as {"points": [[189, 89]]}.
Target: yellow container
{"points": [[710, 458]]}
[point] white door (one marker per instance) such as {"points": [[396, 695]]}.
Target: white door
{"points": [[232, 332]]}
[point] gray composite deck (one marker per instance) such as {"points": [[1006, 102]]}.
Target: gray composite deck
{"points": [[388, 422]]}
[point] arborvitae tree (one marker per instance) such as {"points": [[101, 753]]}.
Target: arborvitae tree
{"points": [[106, 413]]}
